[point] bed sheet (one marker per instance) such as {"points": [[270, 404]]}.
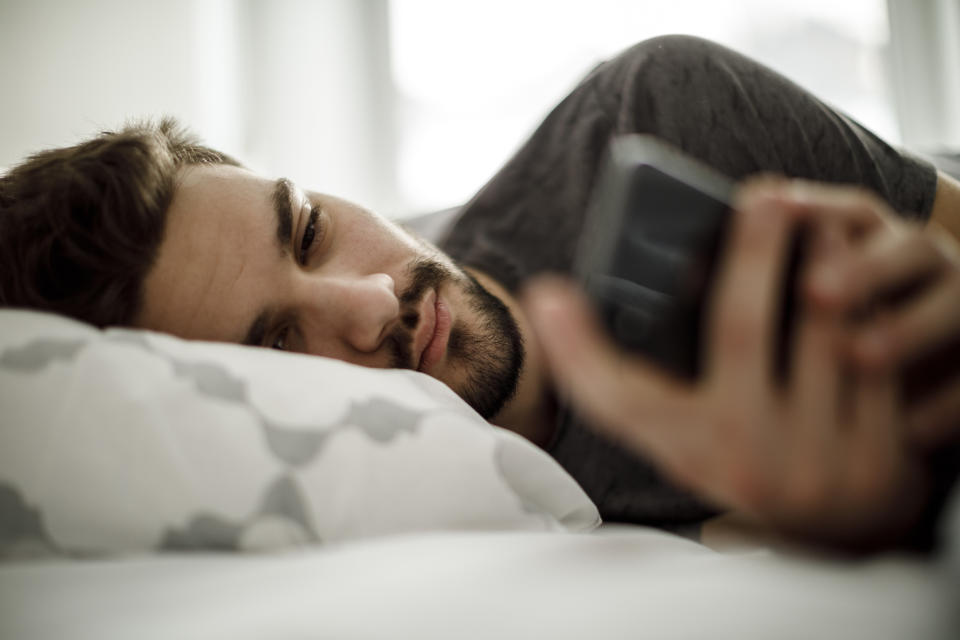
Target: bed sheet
{"points": [[621, 582]]}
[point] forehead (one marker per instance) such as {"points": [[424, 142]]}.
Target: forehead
{"points": [[219, 242], [219, 206], [204, 187]]}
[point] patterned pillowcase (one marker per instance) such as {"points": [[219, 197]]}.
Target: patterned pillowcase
{"points": [[129, 441]]}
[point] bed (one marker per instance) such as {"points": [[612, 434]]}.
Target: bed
{"points": [[618, 583], [155, 488]]}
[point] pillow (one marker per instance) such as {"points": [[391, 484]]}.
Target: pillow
{"points": [[131, 441]]}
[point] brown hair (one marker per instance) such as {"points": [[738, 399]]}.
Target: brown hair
{"points": [[80, 226]]}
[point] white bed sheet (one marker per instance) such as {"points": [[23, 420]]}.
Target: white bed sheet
{"points": [[622, 582]]}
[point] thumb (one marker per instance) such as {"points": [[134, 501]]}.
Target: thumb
{"points": [[599, 379]]}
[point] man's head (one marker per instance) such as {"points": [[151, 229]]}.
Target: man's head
{"points": [[80, 226], [147, 228]]}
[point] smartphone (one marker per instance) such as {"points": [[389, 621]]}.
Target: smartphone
{"points": [[655, 228]]}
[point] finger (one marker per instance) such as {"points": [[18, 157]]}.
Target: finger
{"points": [[876, 436], [886, 483], [936, 420], [745, 301], [618, 392], [885, 263], [856, 208], [815, 387], [816, 376], [917, 327], [877, 409]]}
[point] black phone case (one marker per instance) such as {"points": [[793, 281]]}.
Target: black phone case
{"points": [[657, 223]]}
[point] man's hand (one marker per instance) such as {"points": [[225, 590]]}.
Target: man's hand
{"points": [[918, 267], [822, 455]]}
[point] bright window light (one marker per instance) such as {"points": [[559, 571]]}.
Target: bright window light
{"points": [[474, 79]]}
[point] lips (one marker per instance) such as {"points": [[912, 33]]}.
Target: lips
{"points": [[431, 336]]}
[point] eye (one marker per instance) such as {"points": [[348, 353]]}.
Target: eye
{"points": [[280, 341], [310, 233]]}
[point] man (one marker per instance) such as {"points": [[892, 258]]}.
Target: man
{"points": [[147, 228]]}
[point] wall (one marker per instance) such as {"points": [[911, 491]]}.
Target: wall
{"points": [[315, 89], [294, 87], [926, 72], [69, 69]]}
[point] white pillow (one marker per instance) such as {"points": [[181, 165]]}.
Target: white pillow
{"points": [[125, 440]]}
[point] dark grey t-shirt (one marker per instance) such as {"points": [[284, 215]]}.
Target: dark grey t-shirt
{"points": [[719, 107]]}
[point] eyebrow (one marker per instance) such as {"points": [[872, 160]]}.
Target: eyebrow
{"points": [[282, 193], [283, 211]]}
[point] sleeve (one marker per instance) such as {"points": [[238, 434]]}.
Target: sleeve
{"points": [[743, 118], [716, 105], [721, 107]]}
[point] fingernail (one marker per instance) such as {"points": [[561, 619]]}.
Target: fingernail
{"points": [[799, 192], [758, 201], [538, 302], [547, 308]]}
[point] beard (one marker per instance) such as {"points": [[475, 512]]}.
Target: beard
{"points": [[490, 355]]}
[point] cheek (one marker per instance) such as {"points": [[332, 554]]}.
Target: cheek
{"points": [[380, 245]]}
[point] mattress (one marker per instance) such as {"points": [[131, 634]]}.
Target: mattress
{"points": [[620, 582]]}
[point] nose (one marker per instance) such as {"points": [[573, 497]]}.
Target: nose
{"points": [[359, 310]]}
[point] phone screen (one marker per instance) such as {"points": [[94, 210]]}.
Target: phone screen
{"points": [[655, 231], [649, 251]]}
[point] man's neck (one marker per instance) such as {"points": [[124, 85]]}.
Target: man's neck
{"points": [[532, 411]]}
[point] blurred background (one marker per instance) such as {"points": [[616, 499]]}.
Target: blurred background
{"points": [[407, 106]]}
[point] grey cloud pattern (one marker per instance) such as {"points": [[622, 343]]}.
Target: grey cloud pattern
{"points": [[295, 447], [378, 417], [22, 530], [282, 499], [204, 531], [429, 386], [381, 419], [38, 354], [209, 379], [212, 380]]}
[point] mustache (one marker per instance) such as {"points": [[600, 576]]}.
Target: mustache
{"points": [[425, 274]]}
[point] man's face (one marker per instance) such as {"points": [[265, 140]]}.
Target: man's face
{"points": [[250, 260]]}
